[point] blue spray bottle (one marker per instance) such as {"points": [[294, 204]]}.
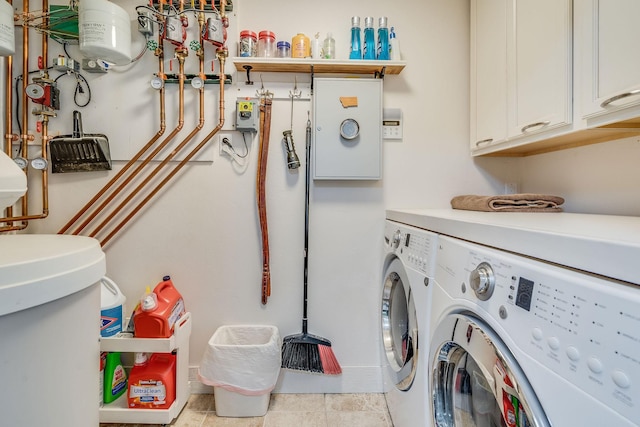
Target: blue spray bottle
{"points": [[356, 49], [383, 39], [369, 51]]}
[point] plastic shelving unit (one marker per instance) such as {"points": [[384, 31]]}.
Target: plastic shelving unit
{"points": [[118, 411]]}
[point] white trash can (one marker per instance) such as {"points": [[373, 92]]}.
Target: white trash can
{"points": [[242, 363]]}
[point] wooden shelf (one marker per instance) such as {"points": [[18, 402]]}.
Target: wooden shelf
{"points": [[318, 66]]}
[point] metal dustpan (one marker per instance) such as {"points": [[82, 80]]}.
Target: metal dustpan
{"points": [[79, 152]]}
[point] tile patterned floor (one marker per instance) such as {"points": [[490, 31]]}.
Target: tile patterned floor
{"points": [[291, 410]]}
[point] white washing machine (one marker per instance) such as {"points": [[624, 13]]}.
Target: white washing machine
{"points": [[404, 318], [519, 342]]}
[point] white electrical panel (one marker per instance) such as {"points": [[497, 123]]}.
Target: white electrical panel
{"points": [[347, 129]]}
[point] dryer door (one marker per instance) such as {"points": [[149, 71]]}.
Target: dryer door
{"points": [[399, 326], [476, 382]]}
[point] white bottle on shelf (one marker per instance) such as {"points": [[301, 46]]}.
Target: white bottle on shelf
{"points": [[394, 46]]}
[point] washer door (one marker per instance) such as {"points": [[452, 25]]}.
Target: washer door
{"points": [[399, 326], [476, 382]]}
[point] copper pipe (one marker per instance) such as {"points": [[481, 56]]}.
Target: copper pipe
{"points": [[181, 56], [25, 134], [185, 141], [8, 118], [45, 118], [130, 163], [25, 104], [160, 54], [221, 59]]}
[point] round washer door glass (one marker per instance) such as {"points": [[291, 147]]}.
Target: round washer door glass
{"points": [[476, 381], [399, 326]]}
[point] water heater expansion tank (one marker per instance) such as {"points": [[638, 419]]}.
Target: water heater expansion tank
{"points": [[7, 35], [105, 31]]}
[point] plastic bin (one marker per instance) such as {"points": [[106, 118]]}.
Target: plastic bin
{"points": [[242, 363]]}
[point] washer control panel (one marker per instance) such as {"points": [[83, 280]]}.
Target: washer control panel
{"points": [[414, 246], [583, 327]]}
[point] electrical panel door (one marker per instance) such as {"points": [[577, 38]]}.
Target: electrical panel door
{"points": [[347, 129]]}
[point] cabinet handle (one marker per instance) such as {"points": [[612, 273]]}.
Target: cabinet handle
{"points": [[484, 141], [617, 97], [534, 125]]}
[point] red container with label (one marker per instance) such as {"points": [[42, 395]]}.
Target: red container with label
{"points": [[159, 321], [152, 385]]}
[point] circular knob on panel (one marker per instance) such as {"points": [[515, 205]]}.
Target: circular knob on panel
{"points": [[397, 236], [482, 281]]}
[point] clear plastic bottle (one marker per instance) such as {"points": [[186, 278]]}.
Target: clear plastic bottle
{"points": [[356, 49], [369, 50], [383, 39], [329, 47]]}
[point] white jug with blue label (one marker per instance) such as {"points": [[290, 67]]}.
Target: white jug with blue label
{"points": [[112, 308]]}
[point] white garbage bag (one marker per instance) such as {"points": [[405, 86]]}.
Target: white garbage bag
{"points": [[244, 359]]}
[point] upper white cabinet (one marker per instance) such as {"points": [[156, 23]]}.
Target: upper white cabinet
{"points": [[521, 83], [610, 61], [571, 76], [488, 72], [540, 66]]}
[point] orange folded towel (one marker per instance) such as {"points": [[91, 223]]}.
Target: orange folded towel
{"points": [[523, 202]]}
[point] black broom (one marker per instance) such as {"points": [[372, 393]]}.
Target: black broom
{"points": [[307, 352]]}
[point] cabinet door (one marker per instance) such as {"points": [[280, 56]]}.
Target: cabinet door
{"points": [[610, 57], [541, 66], [488, 72]]}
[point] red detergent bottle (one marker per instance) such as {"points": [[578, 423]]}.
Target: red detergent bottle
{"points": [[158, 311], [152, 381]]}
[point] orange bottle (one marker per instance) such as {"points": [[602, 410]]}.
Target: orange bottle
{"points": [[155, 319], [152, 382]]}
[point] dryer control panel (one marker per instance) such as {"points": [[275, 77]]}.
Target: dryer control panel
{"points": [[583, 327], [414, 246]]}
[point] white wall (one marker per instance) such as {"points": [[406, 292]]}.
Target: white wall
{"points": [[203, 229], [599, 178]]}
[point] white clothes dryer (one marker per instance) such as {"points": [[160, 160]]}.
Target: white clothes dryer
{"points": [[404, 322], [520, 342]]}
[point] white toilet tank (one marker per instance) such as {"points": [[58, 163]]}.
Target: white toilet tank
{"points": [[49, 330]]}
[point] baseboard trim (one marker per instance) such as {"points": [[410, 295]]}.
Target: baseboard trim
{"points": [[354, 379]]}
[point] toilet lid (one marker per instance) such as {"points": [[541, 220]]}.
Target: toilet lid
{"points": [[36, 269]]}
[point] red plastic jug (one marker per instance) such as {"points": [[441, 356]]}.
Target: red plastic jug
{"points": [[152, 384], [159, 321]]}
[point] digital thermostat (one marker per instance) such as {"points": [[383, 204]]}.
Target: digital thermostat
{"points": [[392, 123]]}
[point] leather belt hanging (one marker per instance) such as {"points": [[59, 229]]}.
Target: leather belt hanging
{"points": [[265, 129]]}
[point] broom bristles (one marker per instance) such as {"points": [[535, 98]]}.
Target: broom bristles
{"points": [[304, 353], [330, 363]]}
